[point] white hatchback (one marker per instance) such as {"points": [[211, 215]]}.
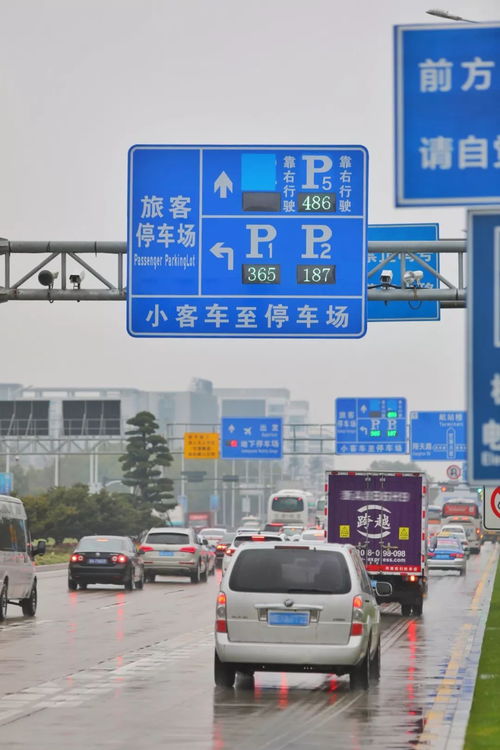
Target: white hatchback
{"points": [[298, 608]]}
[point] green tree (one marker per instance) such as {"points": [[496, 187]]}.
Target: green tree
{"points": [[147, 453]]}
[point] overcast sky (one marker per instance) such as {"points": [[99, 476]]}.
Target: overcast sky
{"points": [[81, 82]]}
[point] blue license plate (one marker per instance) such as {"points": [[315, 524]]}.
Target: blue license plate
{"points": [[166, 553], [288, 618], [97, 561], [443, 557]]}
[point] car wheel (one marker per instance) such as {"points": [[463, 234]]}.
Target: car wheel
{"points": [[359, 677], [463, 571], [28, 605], [149, 577], [204, 575], [129, 583], [417, 608], [224, 674], [406, 610], [245, 681], [140, 583], [72, 585], [195, 575], [3, 602], [83, 586], [375, 664]]}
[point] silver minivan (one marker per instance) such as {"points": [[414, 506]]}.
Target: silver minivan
{"points": [[17, 572], [298, 608]]}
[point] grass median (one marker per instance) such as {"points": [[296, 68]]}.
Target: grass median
{"points": [[484, 722]]}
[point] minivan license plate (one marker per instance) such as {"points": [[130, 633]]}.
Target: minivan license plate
{"points": [[288, 618]]}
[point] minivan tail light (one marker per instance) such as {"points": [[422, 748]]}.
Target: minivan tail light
{"points": [[357, 628], [190, 550], [221, 614]]}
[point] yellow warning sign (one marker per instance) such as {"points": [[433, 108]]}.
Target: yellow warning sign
{"points": [[201, 445], [345, 531], [404, 532]]}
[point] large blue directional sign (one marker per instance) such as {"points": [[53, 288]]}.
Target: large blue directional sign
{"points": [[447, 104], [252, 437], [371, 425], [438, 435], [401, 310], [483, 360], [247, 241]]}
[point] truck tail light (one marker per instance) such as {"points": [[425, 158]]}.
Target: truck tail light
{"points": [[357, 616], [221, 614]]}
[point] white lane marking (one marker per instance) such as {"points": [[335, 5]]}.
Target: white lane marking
{"points": [[75, 689]]}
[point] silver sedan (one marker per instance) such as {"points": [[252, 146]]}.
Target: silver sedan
{"points": [[447, 554]]}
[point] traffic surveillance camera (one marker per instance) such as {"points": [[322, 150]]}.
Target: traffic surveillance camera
{"points": [[76, 279], [386, 277], [47, 278], [413, 278]]}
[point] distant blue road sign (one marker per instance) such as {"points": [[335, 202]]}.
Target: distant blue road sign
{"points": [[371, 425], [483, 360], [447, 104], [6, 482], [247, 241], [400, 310], [252, 437], [214, 502], [438, 435]]}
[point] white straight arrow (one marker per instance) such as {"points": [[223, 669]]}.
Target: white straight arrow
{"points": [[223, 183], [219, 251]]}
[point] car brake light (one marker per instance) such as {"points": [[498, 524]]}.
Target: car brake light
{"points": [[77, 558], [431, 554], [119, 559], [190, 550], [221, 614], [357, 616], [230, 551], [258, 539], [456, 554], [145, 548]]}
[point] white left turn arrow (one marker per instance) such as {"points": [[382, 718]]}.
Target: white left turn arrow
{"points": [[219, 251], [223, 183]]}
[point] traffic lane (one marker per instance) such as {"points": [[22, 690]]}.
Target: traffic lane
{"points": [[166, 692], [76, 629]]}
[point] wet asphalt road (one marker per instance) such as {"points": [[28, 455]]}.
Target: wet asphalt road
{"points": [[104, 668]]}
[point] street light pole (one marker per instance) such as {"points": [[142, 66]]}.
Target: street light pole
{"points": [[449, 16]]}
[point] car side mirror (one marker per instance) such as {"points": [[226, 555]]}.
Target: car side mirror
{"points": [[40, 548], [383, 588]]}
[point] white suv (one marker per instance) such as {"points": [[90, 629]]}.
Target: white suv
{"points": [[298, 607]]}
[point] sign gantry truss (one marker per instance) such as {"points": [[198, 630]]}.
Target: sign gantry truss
{"points": [[103, 264]]}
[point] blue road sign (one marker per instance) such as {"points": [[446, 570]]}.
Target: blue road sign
{"points": [[214, 502], [247, 241], [371, 425], [483, 360], [252, 437], [438, 435], [6, 482], [401, 310], [447, 103]]}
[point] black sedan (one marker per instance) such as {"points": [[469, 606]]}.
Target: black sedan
{"points": [[105, 559]]}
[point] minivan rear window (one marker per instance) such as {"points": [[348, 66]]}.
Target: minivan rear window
{"points": [[290, 571], [168, 538]]}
